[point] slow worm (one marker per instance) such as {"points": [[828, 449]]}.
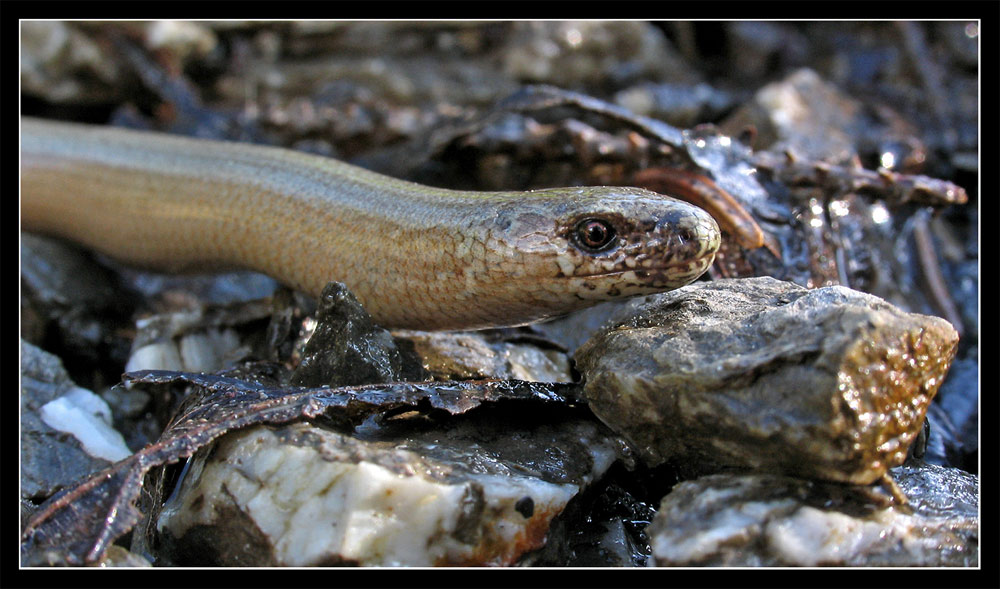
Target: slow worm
{"points": [[415, 256]]}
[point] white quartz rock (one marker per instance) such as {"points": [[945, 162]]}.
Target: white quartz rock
{"points": [[303, 496]]}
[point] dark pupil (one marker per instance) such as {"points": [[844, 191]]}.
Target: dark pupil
{"points": [[594, 234]]}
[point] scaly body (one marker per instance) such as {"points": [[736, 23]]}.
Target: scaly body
{"points": [[415, 256]]}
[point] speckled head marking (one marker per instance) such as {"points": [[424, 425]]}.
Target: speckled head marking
{"points": [[613, 242]]}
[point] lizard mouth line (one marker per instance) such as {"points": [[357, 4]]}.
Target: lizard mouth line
{"points": [[702, 262]]}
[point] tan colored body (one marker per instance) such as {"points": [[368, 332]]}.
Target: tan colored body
{"points": [[415, 256]]}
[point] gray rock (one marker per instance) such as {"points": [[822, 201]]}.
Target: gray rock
{"points": [[761, 374], [476, 355], [802, 113], [347, 348], [65, 429], [66, 276], [72, 303], [766, 520], [205, 337], [481, 492], [574, 329]]}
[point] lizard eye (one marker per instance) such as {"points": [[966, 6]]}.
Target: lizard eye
{"points": [[594, 235]]}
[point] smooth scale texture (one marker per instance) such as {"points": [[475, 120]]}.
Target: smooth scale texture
{"points": [[415, 256]]}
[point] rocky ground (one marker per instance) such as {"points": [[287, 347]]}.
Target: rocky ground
{"points": [[811, 401]]}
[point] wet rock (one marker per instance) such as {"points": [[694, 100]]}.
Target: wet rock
{"points": [[347, 347], [605, 525], [766, 375], [66, 430], [767, 520], [938, 490], [475, 355], [481, 491]]}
